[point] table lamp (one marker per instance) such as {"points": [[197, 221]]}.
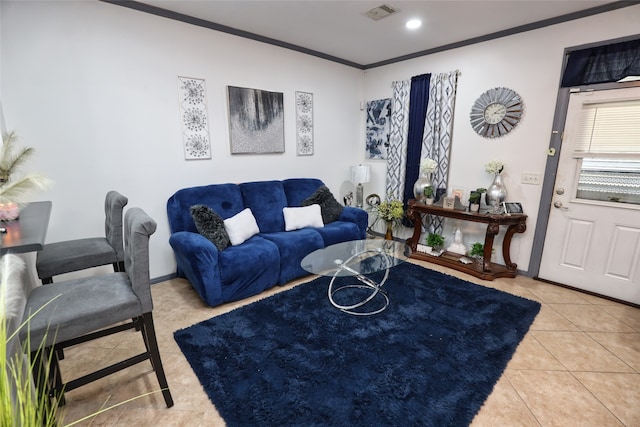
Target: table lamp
{"points": [[359, 175]]}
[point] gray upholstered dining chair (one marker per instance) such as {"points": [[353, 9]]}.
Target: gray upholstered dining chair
{"points": [[68, 313], [80, 254]]}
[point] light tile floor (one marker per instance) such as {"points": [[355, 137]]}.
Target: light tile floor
{"points": [[579, 365]]}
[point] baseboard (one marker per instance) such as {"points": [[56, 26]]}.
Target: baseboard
{"points": [[163, 278]]}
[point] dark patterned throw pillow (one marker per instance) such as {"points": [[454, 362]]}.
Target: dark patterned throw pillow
{"points": [[329, 206], [210, 225]]}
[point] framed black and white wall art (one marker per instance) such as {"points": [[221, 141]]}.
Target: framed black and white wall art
{"points": [[193, 118], [377, 128], [256, 121], [304, 123]]}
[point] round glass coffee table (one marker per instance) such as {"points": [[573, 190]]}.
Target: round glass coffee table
{"points": [[357, 259]]}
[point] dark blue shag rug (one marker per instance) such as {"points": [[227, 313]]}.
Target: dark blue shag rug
{"points": [[430, 359]]}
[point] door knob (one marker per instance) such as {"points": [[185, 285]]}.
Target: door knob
{"points": [[560, 191], [558, 204]]}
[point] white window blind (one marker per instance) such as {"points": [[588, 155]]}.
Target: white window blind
{"points": [[611, 128]]}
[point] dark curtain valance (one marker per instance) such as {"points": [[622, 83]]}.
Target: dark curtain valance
{"points": [[603, 64]]}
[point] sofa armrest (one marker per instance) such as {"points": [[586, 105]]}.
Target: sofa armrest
{"points": [[197, 260], [358, 216]]}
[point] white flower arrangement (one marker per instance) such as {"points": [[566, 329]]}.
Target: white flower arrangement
{"points": [[428, 165], [494, 167]]}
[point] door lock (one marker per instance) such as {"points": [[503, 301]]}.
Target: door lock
{"points": [[560, 191], [558, 204]]}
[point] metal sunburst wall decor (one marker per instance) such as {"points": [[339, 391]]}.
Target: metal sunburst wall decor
{"points": [[193, 117], [496, 112], [304, 123]]}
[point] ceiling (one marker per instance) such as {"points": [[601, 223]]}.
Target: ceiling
{"points": [[340, 31]]}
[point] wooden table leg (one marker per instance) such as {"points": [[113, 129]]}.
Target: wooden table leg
{"points": [[506, 244], [416, 217], [492, 230]]}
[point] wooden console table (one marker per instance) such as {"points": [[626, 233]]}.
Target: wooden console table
{"points": [[488, 270]]}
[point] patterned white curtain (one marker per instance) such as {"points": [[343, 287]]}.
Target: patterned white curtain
{"points": [[397, 152], [436, 142]]}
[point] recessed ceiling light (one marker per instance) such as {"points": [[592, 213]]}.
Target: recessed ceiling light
{"points": [[412, 24]]}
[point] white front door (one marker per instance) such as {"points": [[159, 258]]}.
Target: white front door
{"points": [[593, 236]]}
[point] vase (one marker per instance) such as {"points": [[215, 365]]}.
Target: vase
{"points": [[496, 194], [389, 234], [423, 181]]}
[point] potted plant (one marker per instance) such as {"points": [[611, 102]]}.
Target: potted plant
{"points": [[477, 251], [390, 211], [435, 241], [475, 198], [474, 201], [16, 191], [429, 194]]}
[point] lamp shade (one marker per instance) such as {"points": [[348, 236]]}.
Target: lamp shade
{"points": [[360, 174]]}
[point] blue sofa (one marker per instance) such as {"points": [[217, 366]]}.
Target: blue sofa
{"points": [[270, 257]]}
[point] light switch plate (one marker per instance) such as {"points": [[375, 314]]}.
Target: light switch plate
{"points": [[531, 178]]}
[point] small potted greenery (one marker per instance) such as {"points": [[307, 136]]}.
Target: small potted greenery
{"points": [[474, 199], [477, 251], [435, 241], [428, 194]]}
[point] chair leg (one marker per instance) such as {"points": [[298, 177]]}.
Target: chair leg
{"points": [[149, 335], [143, 332], [59, 352], [55, 378], [118, 267], [47, 377], [40, 375]]}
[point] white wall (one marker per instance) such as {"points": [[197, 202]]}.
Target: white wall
{"points": [[93, 87], [529, 63]]}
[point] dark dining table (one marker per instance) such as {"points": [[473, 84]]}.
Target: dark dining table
{"points": [[28, 232]]}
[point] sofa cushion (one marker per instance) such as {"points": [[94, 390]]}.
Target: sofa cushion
{"points": [[210, 225], [293, 246], [338, 232], [241, 227], [224, 199], [298, 189], [329, 206], [297, 218], [266, 199], [248, 269]]}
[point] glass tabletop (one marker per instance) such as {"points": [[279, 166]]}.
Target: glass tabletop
{"points": [[361, 256]]}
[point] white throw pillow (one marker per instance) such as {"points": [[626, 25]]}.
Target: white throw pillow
{"points": [[241, 226], [307, 216]]}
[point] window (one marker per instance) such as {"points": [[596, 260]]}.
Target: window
{"points": [[610, 180], [608, 149]]}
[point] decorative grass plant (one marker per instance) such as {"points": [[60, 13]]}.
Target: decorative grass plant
{"points": [[17, 189], [20, 404]]}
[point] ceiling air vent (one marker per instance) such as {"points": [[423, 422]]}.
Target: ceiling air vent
{"points": [[377, 13]]}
